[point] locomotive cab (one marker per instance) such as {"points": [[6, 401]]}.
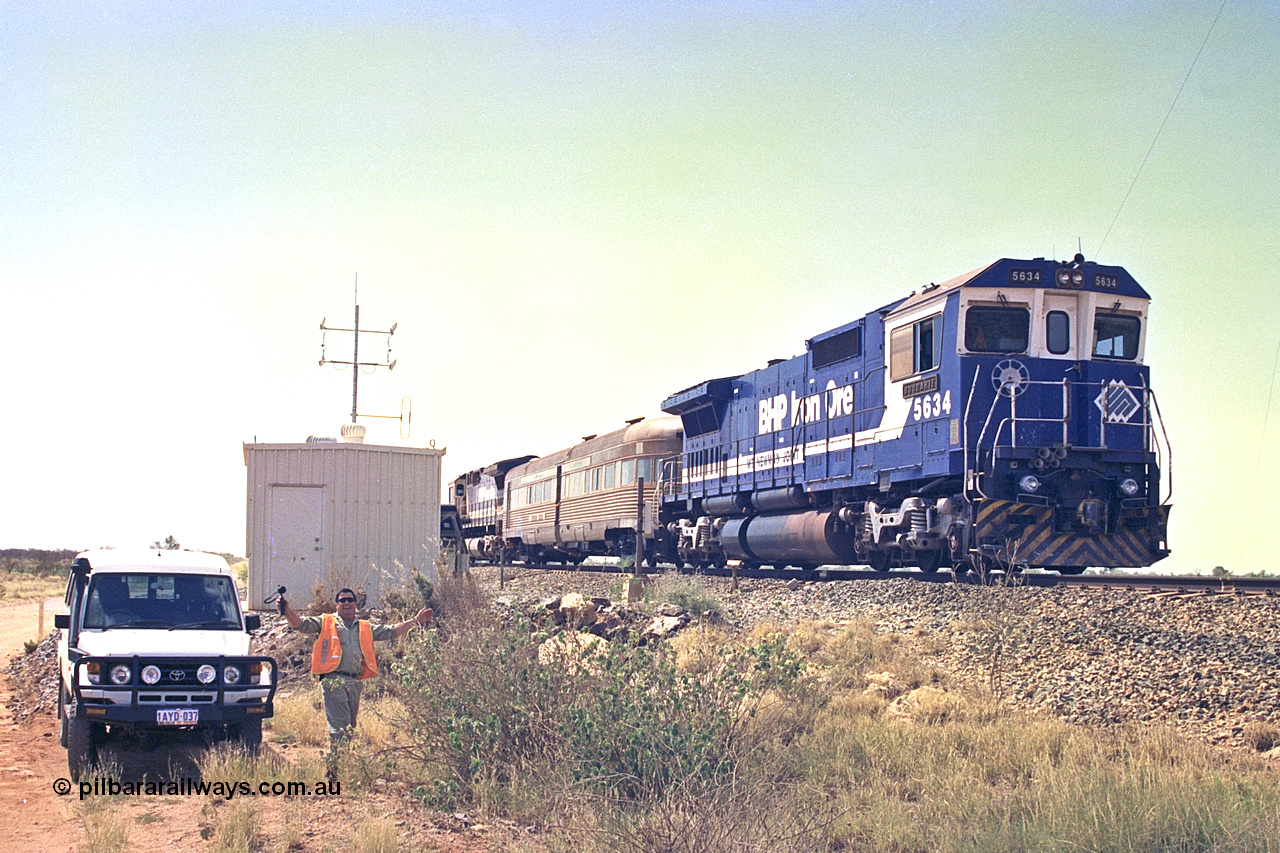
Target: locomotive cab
{"points": [[1064, 467]]}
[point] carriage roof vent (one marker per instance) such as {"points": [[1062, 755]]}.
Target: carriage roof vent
{"points": [[589, 437], [634, 421]]}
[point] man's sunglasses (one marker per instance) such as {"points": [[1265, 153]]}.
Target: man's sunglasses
{"points": [[346, 601]]}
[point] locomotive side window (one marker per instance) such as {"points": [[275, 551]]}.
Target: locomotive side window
{"points": [[996, 329], [1116, 337], [838, 347], [913, 349], [1057, 326]]}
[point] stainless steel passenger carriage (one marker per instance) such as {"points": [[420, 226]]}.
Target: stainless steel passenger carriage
{"points": [[583, 501]]}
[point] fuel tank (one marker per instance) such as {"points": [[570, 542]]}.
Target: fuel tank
{"points": [[800, 538]]}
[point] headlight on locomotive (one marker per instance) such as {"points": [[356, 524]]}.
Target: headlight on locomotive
{"points": [[1029, 484], [1129, 487], [1068, 277]]}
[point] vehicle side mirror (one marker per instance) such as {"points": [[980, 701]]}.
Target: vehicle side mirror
{"points": [[62, 621], [252, 621]]}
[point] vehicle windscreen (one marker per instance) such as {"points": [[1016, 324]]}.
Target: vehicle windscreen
{"points": [[175, 601]]}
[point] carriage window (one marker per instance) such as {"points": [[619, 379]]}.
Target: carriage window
{"points": [[1116, 337], [1057, 326], [628, 472], [838, 347], [914, 348], [610, 475], [996, 329]]}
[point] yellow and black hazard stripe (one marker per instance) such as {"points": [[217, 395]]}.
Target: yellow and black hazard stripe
{"points": [[1029, 531]]}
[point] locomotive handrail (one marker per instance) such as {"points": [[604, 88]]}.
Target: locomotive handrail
{"points": [[1166, 467], [968, 472], [669, 476], [1151, 444]]}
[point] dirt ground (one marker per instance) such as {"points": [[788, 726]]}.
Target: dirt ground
{"points": [[35, 818], [38, 819]]}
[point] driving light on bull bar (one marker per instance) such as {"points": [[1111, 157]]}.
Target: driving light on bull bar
{"points": [[120, 674], [150, 673], [1129, 486], [231, 675], [1029, 483], [206, 674]]}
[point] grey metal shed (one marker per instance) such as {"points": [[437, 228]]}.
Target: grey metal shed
{"points": [[340, 514]]}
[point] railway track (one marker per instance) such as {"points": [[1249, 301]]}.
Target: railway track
{"points": [[1164, 584]]}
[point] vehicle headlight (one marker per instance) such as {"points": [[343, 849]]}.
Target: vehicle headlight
{"points": [[206, 674], [150, 673], [260, 672], [120, 674], [1029, 483], [1129, 486], [231, 675], [94, 671]]}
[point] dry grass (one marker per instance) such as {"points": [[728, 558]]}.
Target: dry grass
{"points": [[236, 827], [299, 718], [29, 585], [376, 834], [869, 748]]}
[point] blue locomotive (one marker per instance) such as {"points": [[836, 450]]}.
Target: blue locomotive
{"points": [[1003, 419]]}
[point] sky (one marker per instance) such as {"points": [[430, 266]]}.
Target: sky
{"points": [[572, 210]]}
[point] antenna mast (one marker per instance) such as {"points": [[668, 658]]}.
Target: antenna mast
{"points": [[355, 363]]}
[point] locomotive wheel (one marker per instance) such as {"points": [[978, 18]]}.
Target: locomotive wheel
{"points": [[929, 561], [1067, 570], [878, 561]]}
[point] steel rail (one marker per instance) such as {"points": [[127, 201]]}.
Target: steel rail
{"points": [[1172, 584]]}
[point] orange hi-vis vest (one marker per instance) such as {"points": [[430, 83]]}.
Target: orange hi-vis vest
{"points": [[326, 654]]}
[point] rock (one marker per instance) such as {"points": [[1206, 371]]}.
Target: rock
{"points": [[577, 611], [1199, 663]]}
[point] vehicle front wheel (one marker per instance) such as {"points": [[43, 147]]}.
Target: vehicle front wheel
{"points": [[250, 734], [82, 747], [62, 716]]}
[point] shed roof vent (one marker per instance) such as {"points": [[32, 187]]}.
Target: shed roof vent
{"points": [[353, 433]]}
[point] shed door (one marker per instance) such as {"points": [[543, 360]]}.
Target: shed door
{"points": [[294, 532]]}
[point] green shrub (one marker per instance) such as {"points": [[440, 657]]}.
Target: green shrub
{"points": [[490, 717]]}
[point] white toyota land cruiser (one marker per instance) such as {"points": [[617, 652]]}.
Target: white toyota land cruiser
{"points": [[156, 641]]}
